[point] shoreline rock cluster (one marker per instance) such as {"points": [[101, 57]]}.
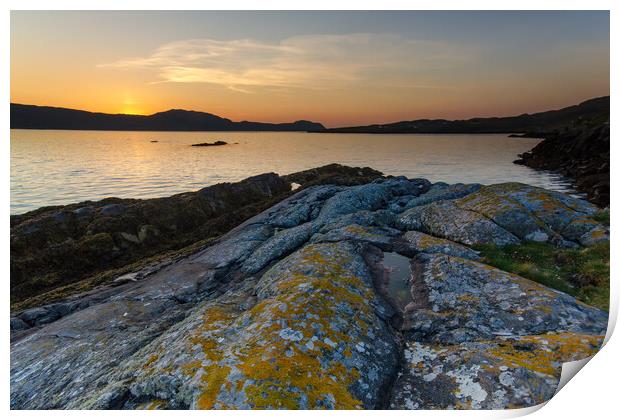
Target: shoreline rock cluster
{"points": [[580, 152], [57, 246], [290, 309]]}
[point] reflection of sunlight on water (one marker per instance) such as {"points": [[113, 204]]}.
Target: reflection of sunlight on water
{"points": [[51, 167]]}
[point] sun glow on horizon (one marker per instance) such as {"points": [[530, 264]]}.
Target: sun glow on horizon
{"points": [[128, 110], [378, 71]]}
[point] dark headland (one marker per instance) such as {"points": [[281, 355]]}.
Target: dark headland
{"points": [[45, 117], [539, 123], [52, 118]]}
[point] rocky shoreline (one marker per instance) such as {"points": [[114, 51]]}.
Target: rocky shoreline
{"points": [[59, 246], [290, 309], [579, 152]]}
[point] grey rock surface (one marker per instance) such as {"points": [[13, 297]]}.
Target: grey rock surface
{"points": [[291, 310]]}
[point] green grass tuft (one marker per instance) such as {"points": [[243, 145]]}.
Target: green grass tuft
{"points": [[602, 217], [583, 272]]}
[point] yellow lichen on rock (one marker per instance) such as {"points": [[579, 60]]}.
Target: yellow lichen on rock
{"points": [[545, 353], [280, 363]]}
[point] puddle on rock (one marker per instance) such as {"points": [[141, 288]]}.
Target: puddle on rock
{"points": [[398, 269]]}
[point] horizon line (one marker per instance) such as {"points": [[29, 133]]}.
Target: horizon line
{"points": [[310, 120]]}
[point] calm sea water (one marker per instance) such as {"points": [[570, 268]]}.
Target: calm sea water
{"points": [[51, 167]]}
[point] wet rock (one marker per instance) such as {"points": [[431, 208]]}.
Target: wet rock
{"points": [[335, 174], [45, 254], [62, 217], [52, 247]]}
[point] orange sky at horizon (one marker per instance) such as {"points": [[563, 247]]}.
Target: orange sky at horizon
{"points": [[124, 62]]}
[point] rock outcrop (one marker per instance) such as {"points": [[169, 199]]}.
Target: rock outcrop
{"points": [[291, 310], [56, 246], [580, 152]]}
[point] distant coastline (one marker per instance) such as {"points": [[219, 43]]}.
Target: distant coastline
{"points": [[536, 125], [34, 117], [54, 118]]}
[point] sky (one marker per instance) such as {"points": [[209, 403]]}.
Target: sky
{"points": [[339, 68]]}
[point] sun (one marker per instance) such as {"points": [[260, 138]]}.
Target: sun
{"points": [[130, 106], [130, 110]]}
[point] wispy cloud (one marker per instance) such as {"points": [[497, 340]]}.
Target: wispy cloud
{"points": [[307, 62]]}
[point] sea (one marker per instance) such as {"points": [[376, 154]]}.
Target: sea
{"points": [[55, 167]]}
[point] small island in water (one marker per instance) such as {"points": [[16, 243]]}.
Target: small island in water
{"points": [[216, 143]]}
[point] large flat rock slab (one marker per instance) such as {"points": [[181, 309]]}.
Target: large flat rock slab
{"points": [[306, 335], [290, 309]]}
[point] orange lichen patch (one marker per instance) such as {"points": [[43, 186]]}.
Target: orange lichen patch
{"points": [[547, 203], [215, 317], [214, 379], [276, 370], [488, 202], [468, 298], [152, 405], [282, 373], [545, 353], [190, 369], [152, 359], [425, 241], [584, 220], [492, 201], [281, 381], [598, 234], [462, 405], [358, 230], [213, 372]]}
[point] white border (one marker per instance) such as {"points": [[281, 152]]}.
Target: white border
{"points": [[591, 396]]}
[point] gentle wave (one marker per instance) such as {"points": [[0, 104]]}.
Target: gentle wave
{"points": [[54, 167]]}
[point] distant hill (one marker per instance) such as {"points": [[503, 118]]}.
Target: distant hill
{"points": [[543, 122], [45, 117]]}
